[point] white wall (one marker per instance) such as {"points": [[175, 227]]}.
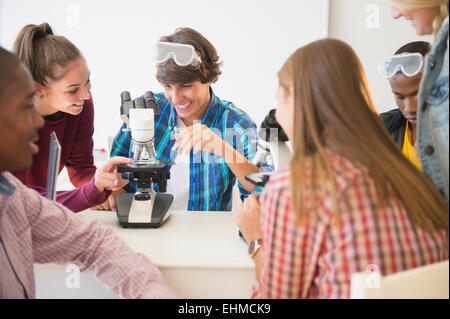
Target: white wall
{"points": [[253, 38], [355, 22]]}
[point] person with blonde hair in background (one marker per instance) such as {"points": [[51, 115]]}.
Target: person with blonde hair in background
{"points": [[350, 201], [431, 17]]}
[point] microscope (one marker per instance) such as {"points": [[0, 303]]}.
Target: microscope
{"points": [[145, 208], [273, 141], [273, 150]]}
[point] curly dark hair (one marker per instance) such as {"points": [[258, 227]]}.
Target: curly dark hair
{"points": [[421, 47], [209, 70]]}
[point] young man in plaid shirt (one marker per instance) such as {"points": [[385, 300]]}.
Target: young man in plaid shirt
{"points": [[215, 142]]}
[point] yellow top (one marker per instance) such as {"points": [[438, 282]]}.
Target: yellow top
{"points": [[409, 150]]}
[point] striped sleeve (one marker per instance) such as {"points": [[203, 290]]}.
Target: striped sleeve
{"points": [[246, 145], [59, 236]]}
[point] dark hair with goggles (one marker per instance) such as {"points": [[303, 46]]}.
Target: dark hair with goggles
{"points": [[409, 60], [186, 56]]}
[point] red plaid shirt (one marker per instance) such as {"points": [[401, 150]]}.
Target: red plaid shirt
{"points": [[34, 229], [316, 259]]}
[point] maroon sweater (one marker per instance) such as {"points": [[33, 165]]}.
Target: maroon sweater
{"points": [[74, 133]]}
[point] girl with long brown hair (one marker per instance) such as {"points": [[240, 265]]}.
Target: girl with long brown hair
{"points": [[62, 87], [350, 201]]}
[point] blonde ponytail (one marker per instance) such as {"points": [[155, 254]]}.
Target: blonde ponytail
{"points": [[437, 22]]}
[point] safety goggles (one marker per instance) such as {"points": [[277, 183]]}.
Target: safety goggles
{"points": [[410, 64], [182, 54]]}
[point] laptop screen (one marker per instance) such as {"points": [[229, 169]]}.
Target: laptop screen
{"points": [[53, 166]]}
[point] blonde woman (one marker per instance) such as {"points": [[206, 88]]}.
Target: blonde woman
{"points": [[350, 201], [431, 17]]}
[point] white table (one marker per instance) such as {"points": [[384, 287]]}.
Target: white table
{"points": [[199, 254]]}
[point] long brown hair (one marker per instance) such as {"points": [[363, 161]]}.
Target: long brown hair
{"points": [[41, 50], [333, 109]]}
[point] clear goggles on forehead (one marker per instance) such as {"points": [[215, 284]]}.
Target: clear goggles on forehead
{"points": [[182, 54], [410, 64]]}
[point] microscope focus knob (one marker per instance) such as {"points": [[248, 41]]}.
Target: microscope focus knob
{"points": [[127, 175]]}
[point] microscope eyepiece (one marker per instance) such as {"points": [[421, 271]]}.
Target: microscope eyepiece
{"points": [[125, 96], [151, 102], [270, 126], [149, 96], [139, 103]]}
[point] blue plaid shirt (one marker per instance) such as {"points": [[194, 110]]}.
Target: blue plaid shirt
{"points": [[211, 180]]}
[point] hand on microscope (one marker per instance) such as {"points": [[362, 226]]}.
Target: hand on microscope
{"points": [[248, 218], [107, 178]]}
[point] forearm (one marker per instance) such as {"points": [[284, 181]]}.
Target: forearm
{"points": [[77, 199], [128, 274], [59, 236], [80, 175], [258, 264], [239, 165], [82, 198]]}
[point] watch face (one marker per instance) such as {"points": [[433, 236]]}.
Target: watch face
{"points": [[251, 246]]}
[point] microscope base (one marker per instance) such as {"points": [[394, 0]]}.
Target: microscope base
{"points": [[159, 215]]}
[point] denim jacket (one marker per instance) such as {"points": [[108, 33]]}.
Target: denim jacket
{"points": [[433, 132]]}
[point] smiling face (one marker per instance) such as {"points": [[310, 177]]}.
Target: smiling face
{"points": [[68, 93], [422, 19], [406, 90], [191, 100], [19, 123]]}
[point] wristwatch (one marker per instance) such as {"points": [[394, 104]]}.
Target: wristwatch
{"points": [[253, 247]]}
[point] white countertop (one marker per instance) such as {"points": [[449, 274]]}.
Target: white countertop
{"points": [[187, 239], [200, 255]]}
